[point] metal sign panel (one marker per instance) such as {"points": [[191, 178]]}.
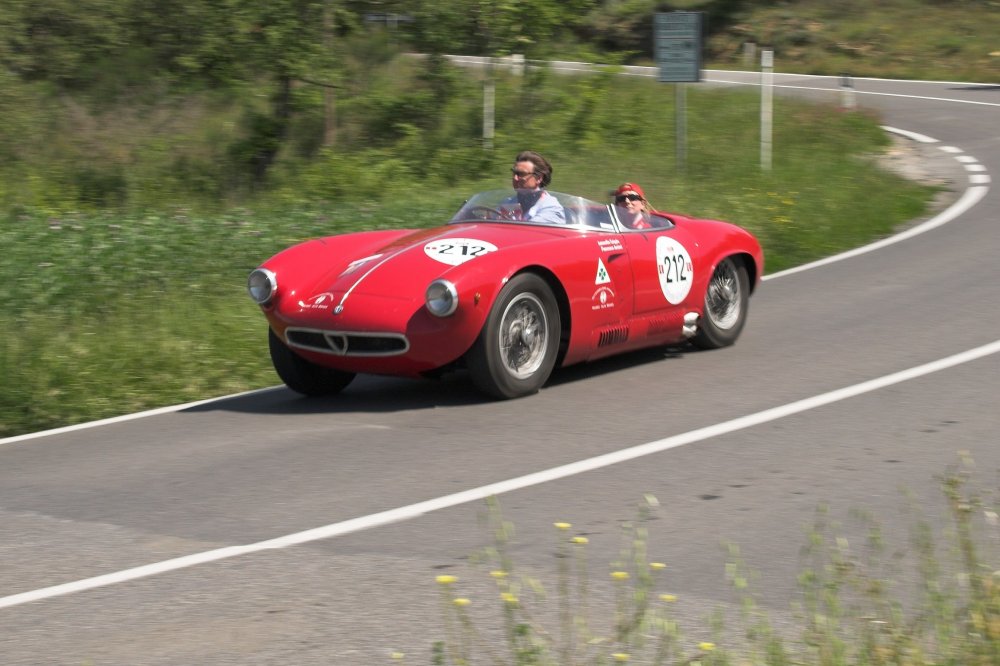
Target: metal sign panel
{"points": [[678, 38]]}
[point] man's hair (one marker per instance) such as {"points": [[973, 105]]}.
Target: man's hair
{"points": [[542, 166]]}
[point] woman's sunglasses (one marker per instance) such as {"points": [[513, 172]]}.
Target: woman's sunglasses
{"points": [[621, 198]]}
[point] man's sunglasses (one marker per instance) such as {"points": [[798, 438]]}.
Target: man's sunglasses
{"points": [[521, 175], [621, 198]]}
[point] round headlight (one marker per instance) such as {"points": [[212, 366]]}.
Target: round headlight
{"points": [[261, 285], [442, 298]]}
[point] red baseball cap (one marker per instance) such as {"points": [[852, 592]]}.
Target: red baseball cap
{"points": [[625, 188]]}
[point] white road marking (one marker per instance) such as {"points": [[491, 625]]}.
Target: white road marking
{"points": [[929, 98], [129, 417], [482, 492], [970, 198]]}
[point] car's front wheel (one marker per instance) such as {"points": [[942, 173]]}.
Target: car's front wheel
{"points": [[516, 350], [301, 375], [726, 302]]}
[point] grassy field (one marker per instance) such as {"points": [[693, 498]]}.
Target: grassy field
{"points": [[906, 39], [108, 313]]}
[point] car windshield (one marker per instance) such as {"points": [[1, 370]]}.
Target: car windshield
{"points": [[535, 207]]}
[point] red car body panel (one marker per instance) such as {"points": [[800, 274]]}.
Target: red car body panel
{"points": [[615, 286]]}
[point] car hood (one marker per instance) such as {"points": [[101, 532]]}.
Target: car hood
{"points": [[402, 268]]}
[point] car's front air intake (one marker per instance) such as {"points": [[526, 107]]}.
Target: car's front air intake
{"points": [[341, 343]]}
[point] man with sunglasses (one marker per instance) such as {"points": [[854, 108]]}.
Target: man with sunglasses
{"points": [[530, 175]]}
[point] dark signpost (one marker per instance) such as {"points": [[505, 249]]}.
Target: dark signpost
{"points": [[678, 44]]}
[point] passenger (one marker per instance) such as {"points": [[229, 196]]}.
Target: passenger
{"points": [[530, 176], [633, 208]]}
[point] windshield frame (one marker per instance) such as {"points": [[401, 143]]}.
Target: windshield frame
{"points": [[502, 207]]}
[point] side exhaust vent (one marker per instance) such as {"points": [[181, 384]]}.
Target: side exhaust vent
{"points": [[613, 336]]}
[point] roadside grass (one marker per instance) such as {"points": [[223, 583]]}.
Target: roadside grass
{"points": [[903, 39], [863, 598], [111, 312]]}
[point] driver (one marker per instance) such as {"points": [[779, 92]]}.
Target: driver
{"points": [[530, 175]]}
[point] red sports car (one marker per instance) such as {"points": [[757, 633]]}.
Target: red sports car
{"points": [[507, 298]]}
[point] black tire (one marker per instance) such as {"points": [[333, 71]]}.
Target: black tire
{"points": [[302, 376], [726, 301], [516, 350]]}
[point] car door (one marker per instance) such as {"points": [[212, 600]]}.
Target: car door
{"points": [[663, 260]]}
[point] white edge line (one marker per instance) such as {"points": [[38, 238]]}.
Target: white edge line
{"points": [[552, 474], [970, 198], [130, 417], [972, 195]]}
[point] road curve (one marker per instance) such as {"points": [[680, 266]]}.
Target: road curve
{"points": [[263, 528]]}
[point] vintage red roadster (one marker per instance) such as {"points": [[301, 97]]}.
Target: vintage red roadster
{"points": [[506, 298]]}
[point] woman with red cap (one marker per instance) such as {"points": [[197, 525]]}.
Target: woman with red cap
{"points": [[633, 208]]}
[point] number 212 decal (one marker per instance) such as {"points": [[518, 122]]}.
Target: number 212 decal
{"points": [[675, 269], [455, 251]]}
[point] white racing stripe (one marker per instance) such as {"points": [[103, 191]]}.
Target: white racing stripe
{"points": [[482, 492]]}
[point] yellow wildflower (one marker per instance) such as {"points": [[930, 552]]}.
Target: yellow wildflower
{"points": [[619, 575], [445, 579], [669, 598], [563, 526], [498, 573], [620, 656], [706, 646], [461, 601], [509, 598], [580, 540], [657, 565]]}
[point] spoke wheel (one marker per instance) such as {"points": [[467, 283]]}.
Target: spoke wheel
{"points": [[516, 350], [726, 301], [522, 336]]}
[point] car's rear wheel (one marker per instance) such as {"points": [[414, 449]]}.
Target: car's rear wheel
{"points": [[726, 301], [516, 350], [301, 375]]}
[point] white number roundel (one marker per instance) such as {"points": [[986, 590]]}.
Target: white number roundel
{"points": [[674, 268], [455, 251]]}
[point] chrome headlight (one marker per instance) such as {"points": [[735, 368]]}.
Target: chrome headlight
{"points": [[442, 298], [261, 285]]}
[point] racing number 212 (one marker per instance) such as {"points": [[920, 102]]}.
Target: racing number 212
{"points": [[464, 250], [676, 268]]}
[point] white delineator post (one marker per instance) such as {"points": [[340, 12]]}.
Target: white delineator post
{"points": [[766, 107], [847, 99]]}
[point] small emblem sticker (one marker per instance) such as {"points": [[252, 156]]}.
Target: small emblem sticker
{"points": [[602, 273], [603, 299], [318, 302]]}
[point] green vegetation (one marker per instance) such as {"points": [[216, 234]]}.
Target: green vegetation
{"points": [[111, 312], [854, 607], [151, 154], [953, 40]]}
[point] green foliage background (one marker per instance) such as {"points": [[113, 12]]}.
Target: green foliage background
{"points": [[152, 153]]}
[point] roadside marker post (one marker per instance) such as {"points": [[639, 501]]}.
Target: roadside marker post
{"points": [[766, 108], [847, 96]]}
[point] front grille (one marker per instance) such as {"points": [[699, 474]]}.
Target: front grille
{"points": [[343, 343]]}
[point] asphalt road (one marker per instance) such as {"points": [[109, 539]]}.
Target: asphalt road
{"points": [[844, 392]]}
